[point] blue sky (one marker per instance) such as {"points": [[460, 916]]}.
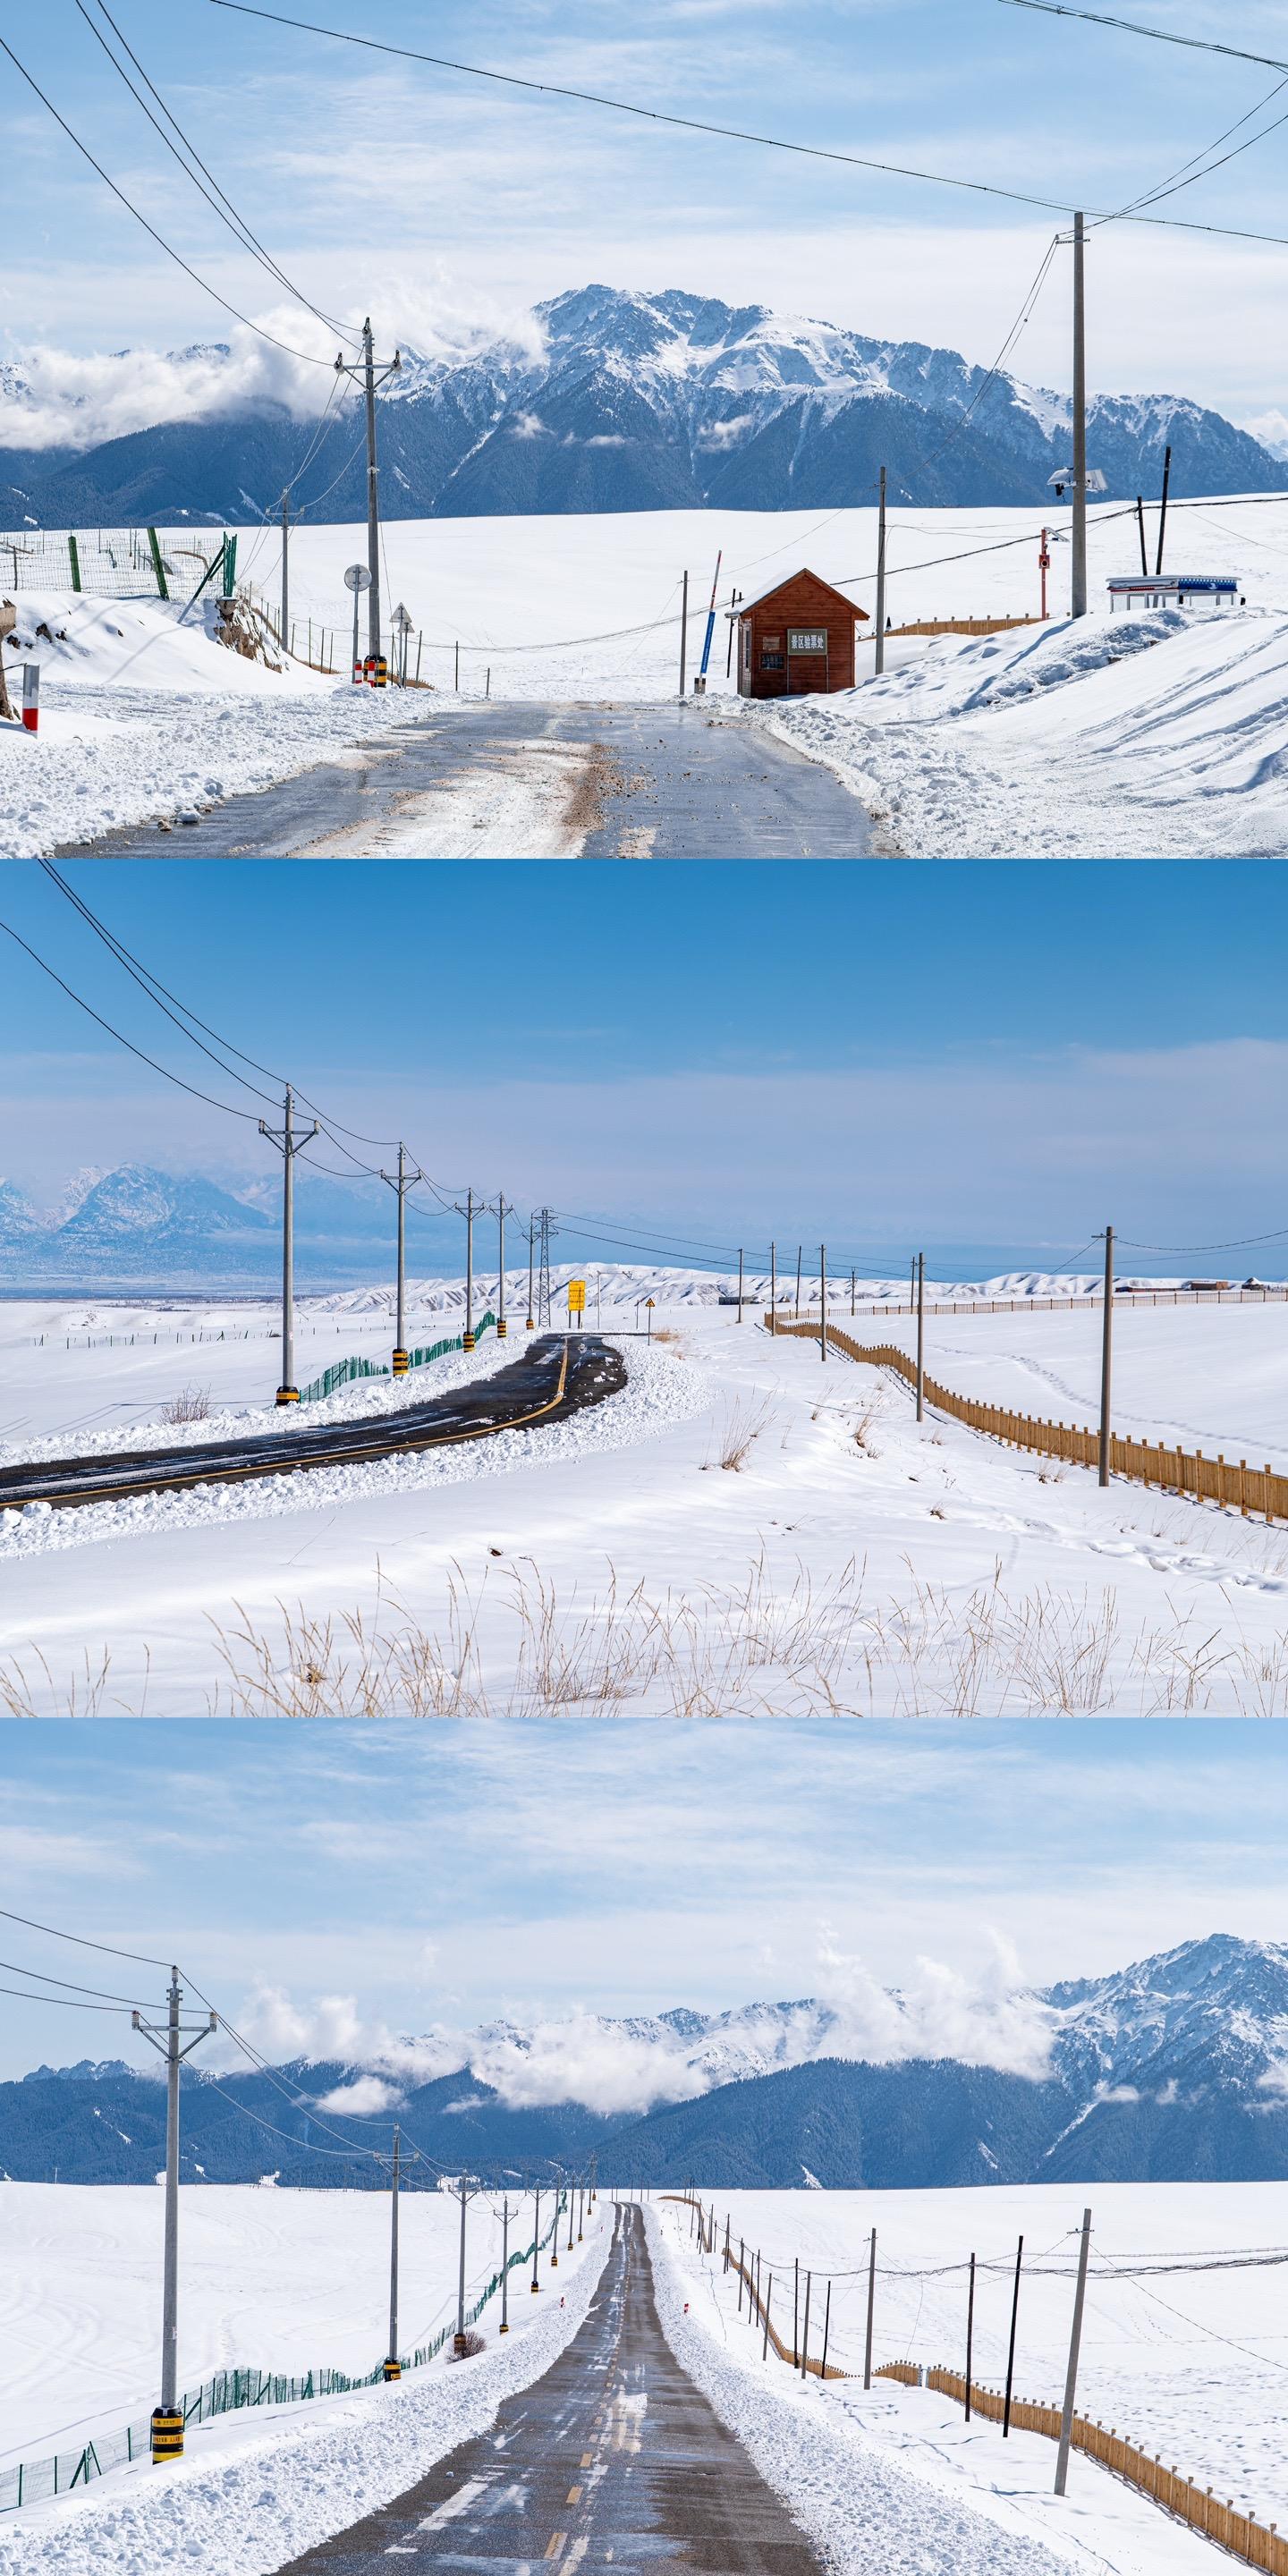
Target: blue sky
{"points": [[998, 1056], [446, 205], [452, 1873]]}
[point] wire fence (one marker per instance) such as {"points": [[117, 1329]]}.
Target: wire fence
{"points": [[229, 2392], [343, 1372], [1144, 1462], [117, 563]]}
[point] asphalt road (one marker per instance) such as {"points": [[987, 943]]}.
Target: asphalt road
{"points": [[553, 1379], [613, 2456], [669, 781]]}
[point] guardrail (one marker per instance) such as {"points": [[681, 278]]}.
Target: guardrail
{"points": [[344, 1372], [1185, 1472]]}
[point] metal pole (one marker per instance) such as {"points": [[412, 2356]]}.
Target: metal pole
{"points": [[532, 1236], [970, 2333], [501, 1333], [469, 1270], [881, 577], [393, 2260], [356, 596], [373, 506], [287, 1388], [505, 2266], [1075, 2339], [1079, 598], [872, 2296], [536, 2235], [170, 2289], [822, 1301], [460, 2288], [1162, 516], [684, 631], [796, 2311], [1140, 524], [809, 2277], [827, 2328], [921, 1337], [1010, 2354], [1107, 1356], [285, 578], [402, 1249]]}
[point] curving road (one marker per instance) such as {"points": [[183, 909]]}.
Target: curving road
{"points": [[613, 2457], [554, 1379]]}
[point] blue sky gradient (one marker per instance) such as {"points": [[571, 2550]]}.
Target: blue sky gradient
{"points": [[995, 1056]]}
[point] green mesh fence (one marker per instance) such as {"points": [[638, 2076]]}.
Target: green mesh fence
{"points": [[343, 1372], [227, 2392], [116, 563]]}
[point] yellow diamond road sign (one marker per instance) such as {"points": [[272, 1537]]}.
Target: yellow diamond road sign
{"points": [[576, 1296]]}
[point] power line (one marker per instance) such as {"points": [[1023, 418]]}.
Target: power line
{"points": [[128, 1043], [732, 133], [225, 210], [305, 355], [1160, 35], [142, 1958]]}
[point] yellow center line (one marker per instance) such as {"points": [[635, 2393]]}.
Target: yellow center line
{"points": [[555, 2549], [587, 2459], [573, 2496]]}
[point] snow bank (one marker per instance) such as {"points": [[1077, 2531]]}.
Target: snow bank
{"points": [[271, 2492], [1164, 736]]}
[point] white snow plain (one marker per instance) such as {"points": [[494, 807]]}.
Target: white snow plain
{"points": [[740, 1530], [1159, 735], [1188, 2363], [271, 2279]]}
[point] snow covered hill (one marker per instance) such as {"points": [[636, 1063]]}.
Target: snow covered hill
{"points": [[1173, 2069], [604, 399]]}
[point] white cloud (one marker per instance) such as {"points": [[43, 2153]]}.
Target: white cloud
{"points": [[991, 2020], [365, 2096], [582, 2059]]}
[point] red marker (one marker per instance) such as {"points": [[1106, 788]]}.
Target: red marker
{"points": [[31, 695]]}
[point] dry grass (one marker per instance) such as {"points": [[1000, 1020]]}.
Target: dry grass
{"points": [[741, 1427], [774, 1643], [191, 1404], [664, 1333]]}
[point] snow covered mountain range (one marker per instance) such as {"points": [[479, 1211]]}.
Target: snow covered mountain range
{"points": [[1174, 2069], [609, 400]]}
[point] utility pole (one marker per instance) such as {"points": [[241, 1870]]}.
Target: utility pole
{"points": [[1140, 526], [167, 2418], [872, 2298], [467, 1337], [536, 2235], [1010, 2351], [827, 2328], [740, 1283], [773, 1288], [543, 1277], [1079, 598], [921, 1337], [401, 1181], [970, 2333], [798, 1282], [502, 1211], [881, 574], [1162, 516], [809, 2279], [371, 376], [822, 1301], [532, 1236], [506, 2215], [393, 2366], [289, 1144], [464, 2191], [684, 631], [286, 593], [1075, 2339], [1107, 1356]]}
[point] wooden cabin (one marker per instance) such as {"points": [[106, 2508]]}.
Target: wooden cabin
{"points": [[796, 638]]}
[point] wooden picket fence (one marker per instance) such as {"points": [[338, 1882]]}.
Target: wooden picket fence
{"points": [[963, 625], [1145, 1462], [707, 2239], [1258, 2544]]}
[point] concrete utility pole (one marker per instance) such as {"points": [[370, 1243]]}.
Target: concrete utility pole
{"points": [[740, 1283], [1107, 1356], [504, 1208], [881, 573], [167, 2421], [532, 1237], [1079, 598], [536, 2235], [393, 2367], [289, 1143], [371, 376], [773, 1288], [467, 1337], [822, 1301], [872, 2300], [506, 2215], [286, 593], [1075, 2339], [1010, 2350], [684, 631], [921, 1337], [970, 2333], [464, 2191], [401, 1181]]}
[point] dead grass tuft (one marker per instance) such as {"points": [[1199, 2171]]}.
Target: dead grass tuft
{"points": [[191, 1404]]}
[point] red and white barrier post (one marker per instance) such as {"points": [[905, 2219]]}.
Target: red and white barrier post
{"points": [[31, 695]]}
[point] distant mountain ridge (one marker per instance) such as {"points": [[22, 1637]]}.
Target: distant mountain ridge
{"points": [[1172, 2070], [630, 401]]}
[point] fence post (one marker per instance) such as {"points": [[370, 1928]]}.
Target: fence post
{"points": [[157, 565]]}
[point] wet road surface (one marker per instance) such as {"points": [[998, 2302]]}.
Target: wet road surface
{"points": [[669, 781], [614, 2457], [554, 1379]]}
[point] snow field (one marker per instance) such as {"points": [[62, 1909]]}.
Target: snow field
{"points": [[1187, 2364], [739, 1530], [268, 2269], [1158, 735]]}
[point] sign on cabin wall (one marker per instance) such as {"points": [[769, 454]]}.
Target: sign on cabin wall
{"points": [[807, 639]]}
